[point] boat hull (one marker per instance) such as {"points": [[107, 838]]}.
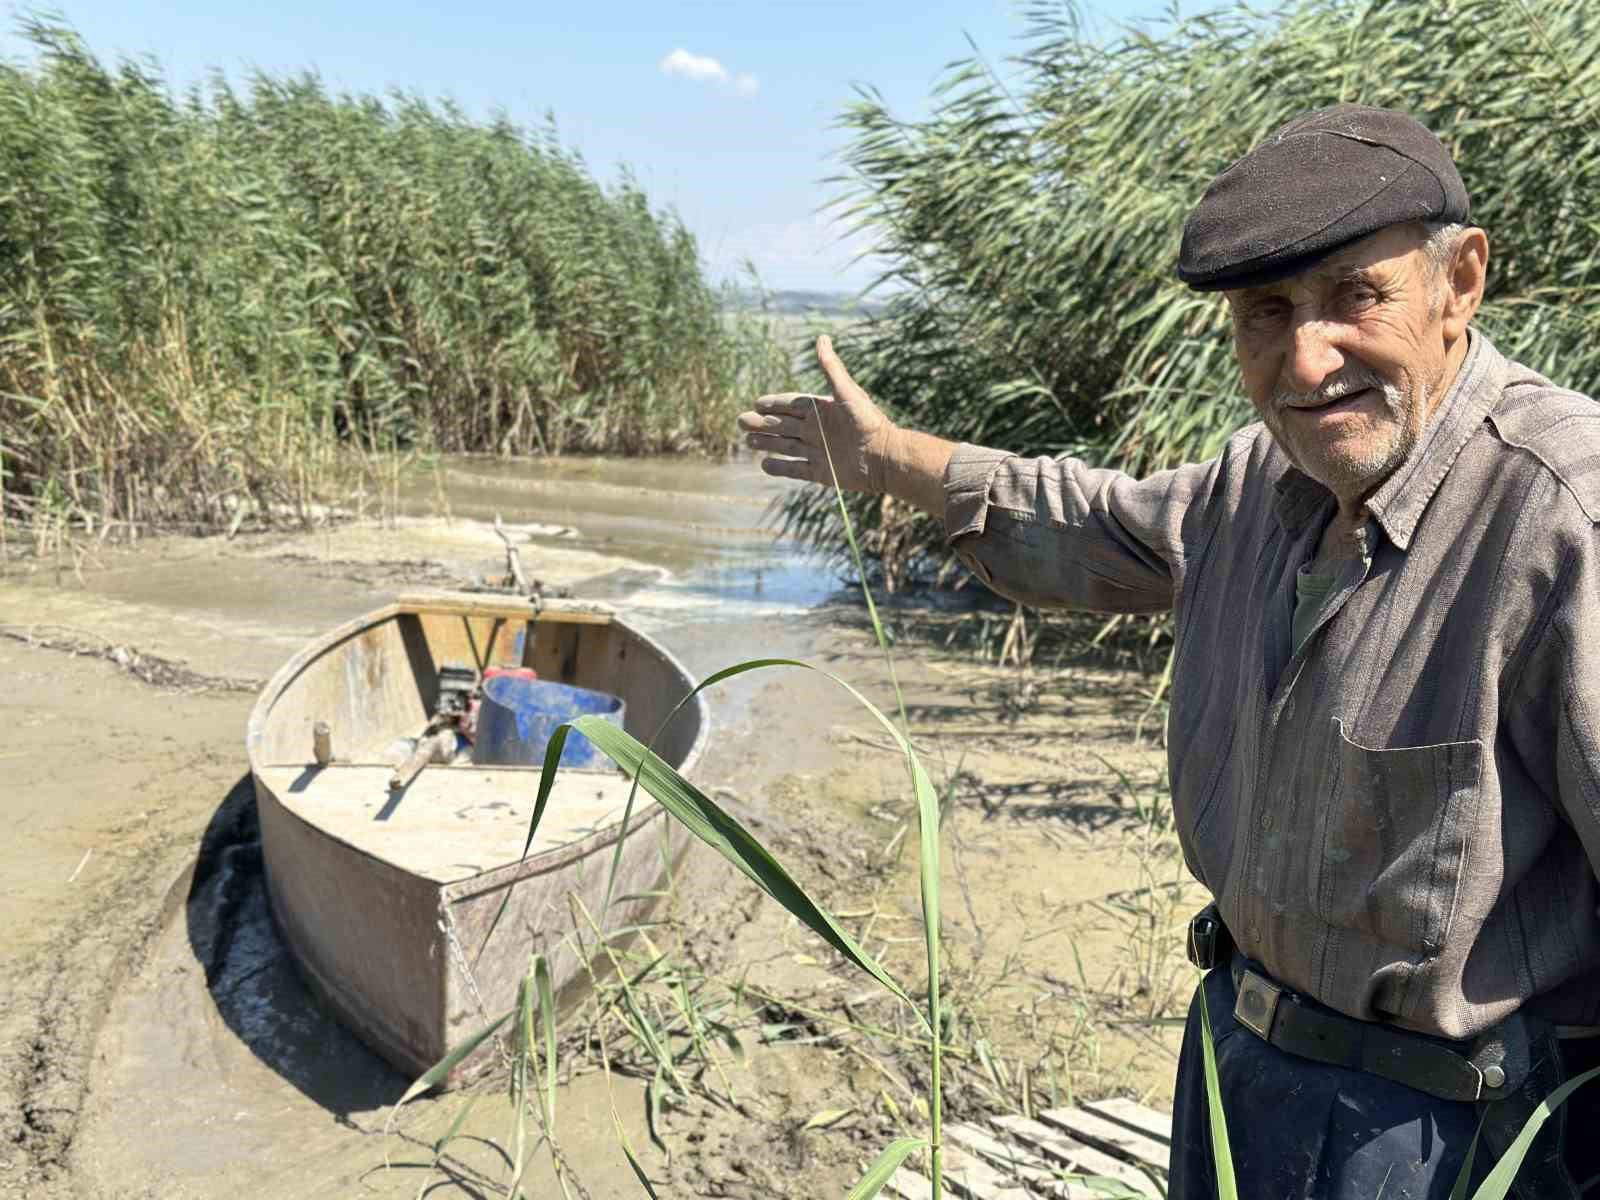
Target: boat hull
{"points": [[414, 916]]}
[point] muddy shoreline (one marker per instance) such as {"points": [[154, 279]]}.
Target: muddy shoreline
{"points": [[157, 1043]]}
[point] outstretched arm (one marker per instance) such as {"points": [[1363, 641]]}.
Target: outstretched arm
{"points": [[870, 453], [1045, 531]]}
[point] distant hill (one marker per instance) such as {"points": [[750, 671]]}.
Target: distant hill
{"points": [[802, 303]]}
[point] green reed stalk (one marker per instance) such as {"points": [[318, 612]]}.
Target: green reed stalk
{"points": [[928, 835], [1221, 1150], [708, 822]]}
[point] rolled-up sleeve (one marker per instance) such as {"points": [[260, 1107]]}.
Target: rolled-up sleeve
{"points": [[1055, 533]]}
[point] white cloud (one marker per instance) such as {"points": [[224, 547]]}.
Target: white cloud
{"points": [[702, 68], [693, 66]]}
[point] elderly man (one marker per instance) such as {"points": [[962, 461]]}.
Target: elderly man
{"points": [[1385, 714]]}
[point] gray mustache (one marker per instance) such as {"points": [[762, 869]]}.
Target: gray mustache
{"points": [[1346, 383]]}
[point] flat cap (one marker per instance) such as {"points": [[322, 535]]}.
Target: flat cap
{"points": [[1322, 181]]}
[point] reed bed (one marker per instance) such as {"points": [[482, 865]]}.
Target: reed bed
{"points": [[256, 296], [1033, 224]]}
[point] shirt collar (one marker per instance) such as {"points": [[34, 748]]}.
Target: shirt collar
{"points": [[1399, 502], [1300, 498]]}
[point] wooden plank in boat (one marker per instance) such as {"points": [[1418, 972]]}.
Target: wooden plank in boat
{"points": [[1135, 1116], [452, 822], [507, 608], [1095, 1130]]}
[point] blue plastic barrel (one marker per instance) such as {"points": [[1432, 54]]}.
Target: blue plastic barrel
{"points": [[518, 716]]}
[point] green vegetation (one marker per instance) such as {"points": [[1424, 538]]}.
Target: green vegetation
{"points": [[1034, 223], [208, 299]]}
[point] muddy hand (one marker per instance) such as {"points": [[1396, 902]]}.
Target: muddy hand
{"points": [[792, 428]]}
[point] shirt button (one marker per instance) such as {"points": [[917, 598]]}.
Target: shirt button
{"points": [[1266, 820]]}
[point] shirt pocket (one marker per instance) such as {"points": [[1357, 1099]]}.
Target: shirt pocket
{"points": [[1393, 839]]}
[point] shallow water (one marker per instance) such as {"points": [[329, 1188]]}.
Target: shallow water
{"points": [[670, 543], [703, 529]]}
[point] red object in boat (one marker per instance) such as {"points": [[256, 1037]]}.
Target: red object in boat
{"points": [[469, 724]]}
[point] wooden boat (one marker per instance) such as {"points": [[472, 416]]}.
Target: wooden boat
{"points": [[385, 897]]}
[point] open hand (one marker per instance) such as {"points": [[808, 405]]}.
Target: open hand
{"points": [[792, 428]]}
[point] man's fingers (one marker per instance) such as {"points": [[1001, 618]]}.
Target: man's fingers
{"points": [[791, 468], [787, 404], [792, 427], [773, 443], [843, 386]]}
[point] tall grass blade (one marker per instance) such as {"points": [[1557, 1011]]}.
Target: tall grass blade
{"points": [[702, 817], [652, 1106], [1221, 1151], [519, 1083], [885, 1165], [1458, 1190], [901, 739], [448, 1136], [633, 1162], [547, 780], [849, 527], [929, 819], [547, 1014], [1497, 1185]]}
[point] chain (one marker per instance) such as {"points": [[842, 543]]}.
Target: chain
{"points": [[447, 926]]}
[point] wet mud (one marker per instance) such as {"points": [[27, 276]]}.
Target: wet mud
{"points": [[157, 1040]]}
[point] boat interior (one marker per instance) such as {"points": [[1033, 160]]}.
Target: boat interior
{"points": [[380, 686]]}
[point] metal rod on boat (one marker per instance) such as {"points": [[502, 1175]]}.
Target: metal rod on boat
{"points": [[322, 743]]}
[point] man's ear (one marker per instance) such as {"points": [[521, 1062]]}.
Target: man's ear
{"points": [[1464, 280]]}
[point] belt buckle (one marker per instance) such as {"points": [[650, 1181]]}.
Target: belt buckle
{"points": [[1257, 1004]]}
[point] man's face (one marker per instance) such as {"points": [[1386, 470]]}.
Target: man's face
{"points": [[1346, 361]]}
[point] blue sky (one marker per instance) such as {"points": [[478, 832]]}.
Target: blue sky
{"points": [[722, 110]]}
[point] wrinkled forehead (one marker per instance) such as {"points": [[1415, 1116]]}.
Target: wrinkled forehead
{"points": [[1391, 254]]}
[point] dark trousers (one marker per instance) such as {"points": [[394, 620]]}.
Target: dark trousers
{"points": [[1301, 1130]]}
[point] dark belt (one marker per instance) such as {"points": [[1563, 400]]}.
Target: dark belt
{"points": [[1299, 1026]]}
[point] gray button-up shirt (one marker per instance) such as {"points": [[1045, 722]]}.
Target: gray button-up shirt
{"points": [[1401, 819]]}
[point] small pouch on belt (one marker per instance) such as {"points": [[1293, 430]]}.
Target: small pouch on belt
{"points": [[1210, 944]]}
